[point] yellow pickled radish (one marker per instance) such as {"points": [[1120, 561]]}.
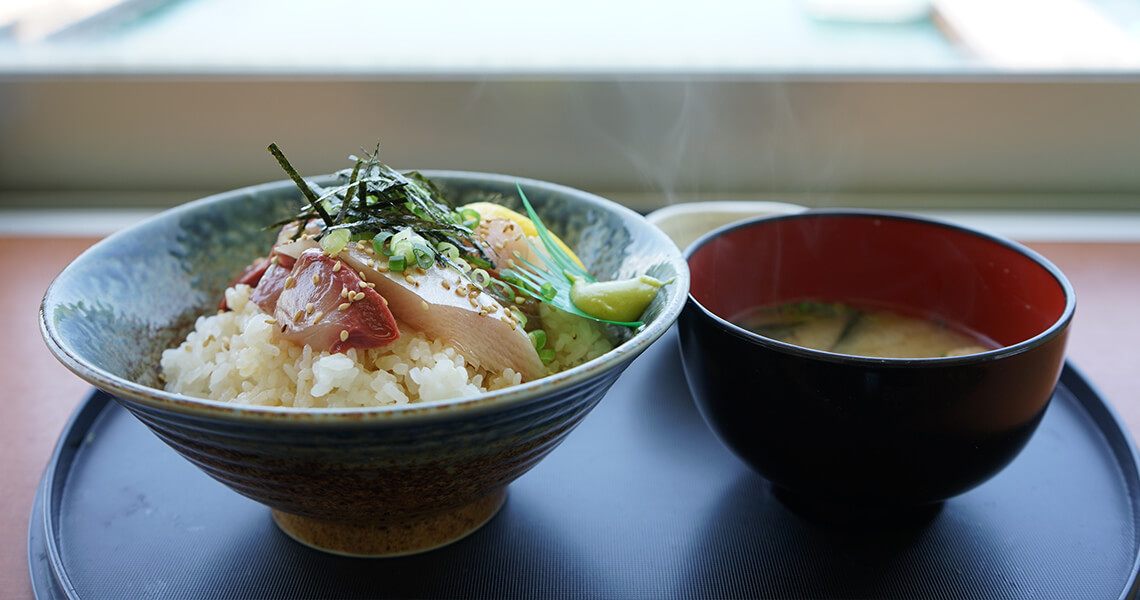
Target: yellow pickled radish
{"points": [[489, 210]]}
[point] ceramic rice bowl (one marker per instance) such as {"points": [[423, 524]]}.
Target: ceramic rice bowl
{"points": [[370, 482]]}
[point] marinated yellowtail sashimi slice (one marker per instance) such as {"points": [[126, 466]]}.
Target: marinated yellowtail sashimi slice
{"points": [[507, 232], [268, 287], [445, 305], [326, 305], [507, 243]]}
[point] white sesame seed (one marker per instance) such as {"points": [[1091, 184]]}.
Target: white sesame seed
{"points": [[290, 282], [344, 335], [343, 306], [316, 278], [337, 266]]}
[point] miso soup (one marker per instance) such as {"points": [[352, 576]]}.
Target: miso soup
{"points": [[877, 332]]}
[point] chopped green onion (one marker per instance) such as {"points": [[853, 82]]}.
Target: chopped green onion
{"points": [[469, 218], [423, 254], [379, 243], [479, 262], [546, 355], [538, 338], [504, 290], [448, 250], [397, 263], [480, 278], [402, 236], [335, 241], [519, 316], [548, 291], [423, 259]]}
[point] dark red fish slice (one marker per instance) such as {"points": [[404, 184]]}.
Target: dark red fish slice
{"points": [[327, 307], [272, 282]]}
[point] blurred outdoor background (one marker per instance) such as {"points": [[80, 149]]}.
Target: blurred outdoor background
{"points": [[981, 105]]}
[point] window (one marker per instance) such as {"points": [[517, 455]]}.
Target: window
{"points": [[147, 102]]}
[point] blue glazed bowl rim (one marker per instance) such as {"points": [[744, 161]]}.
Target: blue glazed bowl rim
{"points": [[1055, 329], [515, 396]]}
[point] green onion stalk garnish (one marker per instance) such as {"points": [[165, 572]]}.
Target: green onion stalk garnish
{"points": [[561, 282]]}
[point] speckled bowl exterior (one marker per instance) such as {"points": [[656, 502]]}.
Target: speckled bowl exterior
{"points": [[378, 481]]}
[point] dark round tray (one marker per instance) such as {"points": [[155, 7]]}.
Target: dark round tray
{"points": [[640, 502]]}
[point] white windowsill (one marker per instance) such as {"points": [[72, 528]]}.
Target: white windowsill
{"points": [[1023, 226]]}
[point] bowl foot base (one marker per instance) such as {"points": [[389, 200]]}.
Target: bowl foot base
{"points": [[372, 539], [849, 516]]}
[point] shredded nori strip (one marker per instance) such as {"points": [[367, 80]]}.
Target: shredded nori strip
{"points": [[305, 187], [374, 198]]}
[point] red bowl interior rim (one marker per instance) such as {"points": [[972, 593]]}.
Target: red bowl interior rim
{"points": [[984, 283]]}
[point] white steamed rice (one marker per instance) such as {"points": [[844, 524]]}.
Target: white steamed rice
{"points": [[235, 356]]}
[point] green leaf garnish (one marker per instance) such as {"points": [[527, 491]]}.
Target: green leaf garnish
{"points": [[551, 281]]}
